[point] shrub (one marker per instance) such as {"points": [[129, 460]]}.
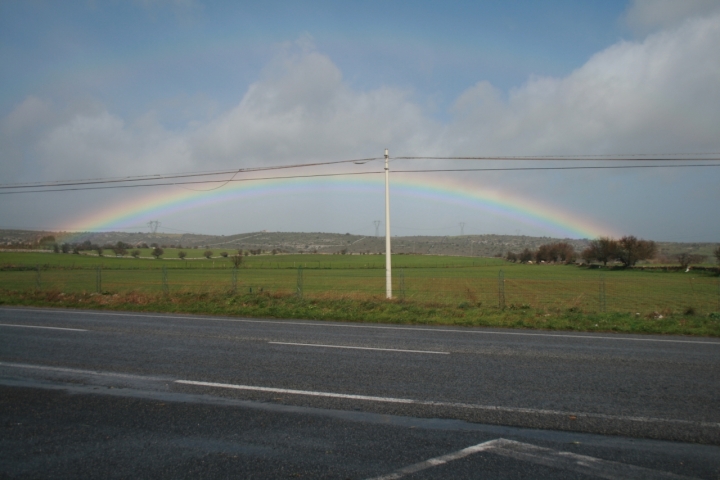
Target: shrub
{"points": [[208, 254], [135, 253], [182, 255]]}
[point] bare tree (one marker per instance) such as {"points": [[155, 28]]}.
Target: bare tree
{"points": [[603, 249], [525, 256], [236, 260], [687, 259], [207, 254], [633, 250]]}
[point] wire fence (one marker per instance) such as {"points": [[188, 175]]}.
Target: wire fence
{"points": [[581, 290]]}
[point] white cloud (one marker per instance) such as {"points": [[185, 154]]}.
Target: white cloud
{"points": [[658, 95], [101, 144], [302, 108], [644, 16]]}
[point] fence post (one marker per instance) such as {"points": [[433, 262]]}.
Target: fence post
{"points": [[37, 277], [300, 282], [165, 287], [234, 280], [98, 279], [601, 297], [501, 289]]}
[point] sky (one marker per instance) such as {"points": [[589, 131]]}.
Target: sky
{"points": [[99, 89]]}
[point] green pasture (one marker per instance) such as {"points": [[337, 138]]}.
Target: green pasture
{"points": [[469, 282], [195, 259]]}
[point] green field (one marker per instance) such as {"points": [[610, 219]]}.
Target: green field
{"points": [[469, 281]]}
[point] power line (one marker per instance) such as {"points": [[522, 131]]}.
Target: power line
{"points": [[288, 177], [143, 178], [614, 157], [596, 167]]}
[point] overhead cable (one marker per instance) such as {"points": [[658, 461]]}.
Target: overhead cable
{"points": [[319, 175]]}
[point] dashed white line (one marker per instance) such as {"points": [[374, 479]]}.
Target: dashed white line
{"points": [[488, 408], [637, 338], [45, 328], [471, 406], [359, 348], [527, 452], [296, 392]]}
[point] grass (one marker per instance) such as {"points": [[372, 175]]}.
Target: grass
{"points": [[429, 289], [369, 309]]}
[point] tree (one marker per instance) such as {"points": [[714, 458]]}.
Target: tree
{"points": [[99, 250], [511, 257], [135, 253], [555, 252], [157, 252], [633, 250], [182, 255], [120, 249], [716, 252], [224, 254], [56, 248], [604, 250], [208, 254], [236, 260], [525, 256], [65, 248], [686, 259]]}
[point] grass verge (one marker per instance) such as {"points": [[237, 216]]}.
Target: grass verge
{"points": [[373, 309]]}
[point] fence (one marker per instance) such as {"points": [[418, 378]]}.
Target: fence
{"points": [[534, 287]]}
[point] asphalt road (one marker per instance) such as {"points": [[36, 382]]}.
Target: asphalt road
{"points": [[112, 394]]}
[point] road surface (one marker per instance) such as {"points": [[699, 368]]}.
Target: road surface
{"points": [[89, 393]]}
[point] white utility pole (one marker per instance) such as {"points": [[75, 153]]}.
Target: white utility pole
{"points": [[388, 266]]}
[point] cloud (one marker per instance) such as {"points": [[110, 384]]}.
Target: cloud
{"points": [[644, 16], [302, 109], [658, 95], [101, 144]]}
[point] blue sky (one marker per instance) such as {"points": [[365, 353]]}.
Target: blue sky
{"points": [[132, 55], [105, 88]]}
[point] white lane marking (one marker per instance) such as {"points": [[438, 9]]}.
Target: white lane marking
{"points": [[79, 371], [377, 327], [527, 452], [296, 392], [488, 408], [433, 462], [45, 328], [359, 348]]}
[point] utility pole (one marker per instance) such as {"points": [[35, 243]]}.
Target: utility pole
{"points": [[388, 265], [462, 228], [377, 227]]}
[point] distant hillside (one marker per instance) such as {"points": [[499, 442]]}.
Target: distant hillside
{"points": [[294, 242]]}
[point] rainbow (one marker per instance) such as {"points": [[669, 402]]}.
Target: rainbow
{"points": [[169, 200]]}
